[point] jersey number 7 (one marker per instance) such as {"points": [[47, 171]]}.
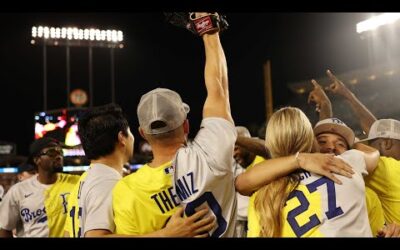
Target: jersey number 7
{"points": [[332, 212]]}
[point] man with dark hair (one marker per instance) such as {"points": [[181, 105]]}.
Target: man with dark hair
{"points": [[333, 136], [37, 207], [108, 144], [384, 135]]}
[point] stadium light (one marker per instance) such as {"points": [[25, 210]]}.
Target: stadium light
{"points": [[73, 36], [377, 21]]}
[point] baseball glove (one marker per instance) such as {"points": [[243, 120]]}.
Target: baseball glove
{"points": [[209, 23]]}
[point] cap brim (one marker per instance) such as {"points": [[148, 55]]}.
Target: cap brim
{"points": [[342, 131], [186, 107], [367, 139]]}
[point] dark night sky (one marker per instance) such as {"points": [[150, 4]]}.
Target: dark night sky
{"points": [[156, 54]]}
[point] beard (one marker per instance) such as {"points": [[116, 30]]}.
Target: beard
{"points": [[58, 166], [58, 169]]}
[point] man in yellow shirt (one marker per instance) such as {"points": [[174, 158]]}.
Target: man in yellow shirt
{"points": [[108, 144], [37, 207], [384, 135], [334, 141], [195, 174]]}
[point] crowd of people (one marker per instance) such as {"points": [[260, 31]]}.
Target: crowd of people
{"points": [[301, 181]]}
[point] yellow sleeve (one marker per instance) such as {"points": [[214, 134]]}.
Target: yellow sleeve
{"points": [[375, 211], [378, 180], [123, 209], [256, 160], [384, 182], [253, 219]]}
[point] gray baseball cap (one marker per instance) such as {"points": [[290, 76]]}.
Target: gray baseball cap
{"points": [[335, 126], [384, 128], [164, 106]]}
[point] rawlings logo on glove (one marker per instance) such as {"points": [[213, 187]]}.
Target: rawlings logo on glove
{"points": [[203, 25], [198, 25]]}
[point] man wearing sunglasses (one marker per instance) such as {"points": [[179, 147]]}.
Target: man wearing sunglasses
{"points": [[37, 207]]}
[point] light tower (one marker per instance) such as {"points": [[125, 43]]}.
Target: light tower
{"points": [[75, 37]]}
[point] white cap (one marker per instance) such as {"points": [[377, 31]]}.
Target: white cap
{"points": [[335, 126], [161, 105], [384, 128]]}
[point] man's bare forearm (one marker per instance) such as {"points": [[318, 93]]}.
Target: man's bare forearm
{"points": [[365, 117], [254, 145], [325, 110]]}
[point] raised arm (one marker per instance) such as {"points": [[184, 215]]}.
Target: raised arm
{"points": [[322, 103], [365, 117], [216, 77]]}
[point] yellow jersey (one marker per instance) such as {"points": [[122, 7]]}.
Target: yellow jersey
{"points": [[375, 211], [256, 160], [145, 200], [385, 182], [320, 208], [35, 209]]}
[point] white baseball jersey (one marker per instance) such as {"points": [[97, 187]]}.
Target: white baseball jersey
{"points": [[93, 195], [242, 200], [319, 207], [37, 210], [203, 174]]}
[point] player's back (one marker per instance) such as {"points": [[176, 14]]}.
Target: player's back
{"points": [[144, 201], [320, 208], [204, 174], [91, 201]]}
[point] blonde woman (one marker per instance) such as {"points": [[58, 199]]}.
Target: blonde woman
{"points": [[302, 203]]}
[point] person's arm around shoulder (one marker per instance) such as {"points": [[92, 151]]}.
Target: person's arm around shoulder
{"points": [[267, 171], [196, 225], [371, 156]]}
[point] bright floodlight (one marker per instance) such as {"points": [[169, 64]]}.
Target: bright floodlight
{"points": [[376, 21], [74, 36]]}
